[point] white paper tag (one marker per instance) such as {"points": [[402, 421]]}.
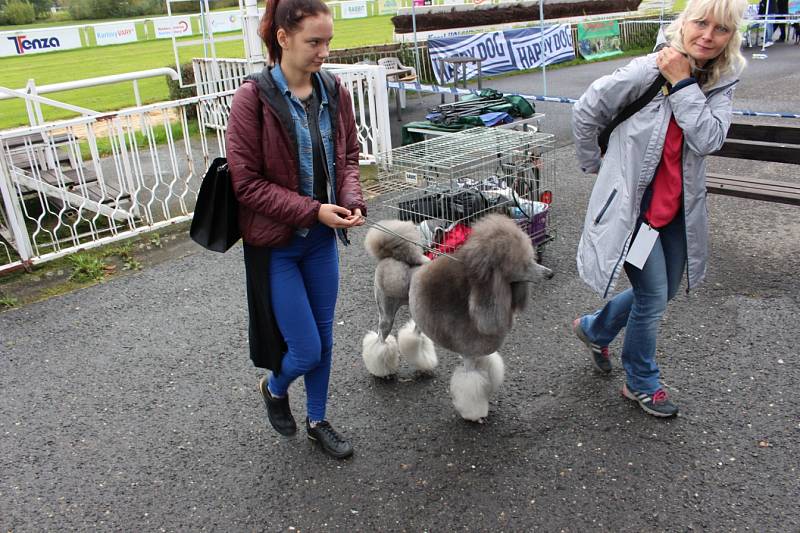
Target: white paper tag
{"points": [[642, 246]]}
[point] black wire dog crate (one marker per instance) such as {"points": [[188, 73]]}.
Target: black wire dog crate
{"points": [[446, 183]]}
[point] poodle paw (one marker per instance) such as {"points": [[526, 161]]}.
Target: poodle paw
{"points": [[382, 358], [495, 368], [417, 348], [470, 392]]}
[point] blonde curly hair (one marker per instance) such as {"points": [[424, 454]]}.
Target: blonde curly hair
{"points": [[728, 13]]}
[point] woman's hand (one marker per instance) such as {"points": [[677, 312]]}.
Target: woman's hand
{"points": [[335, 216], [356, 218], [673, 65]]}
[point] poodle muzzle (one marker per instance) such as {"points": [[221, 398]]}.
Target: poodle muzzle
{"points": [[534, 272]]}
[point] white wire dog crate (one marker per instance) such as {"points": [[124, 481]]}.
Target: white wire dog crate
{"points": [[446, 183]]}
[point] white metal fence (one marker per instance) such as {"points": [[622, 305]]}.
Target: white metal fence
{"points": [[366, 84], [88, 181]]}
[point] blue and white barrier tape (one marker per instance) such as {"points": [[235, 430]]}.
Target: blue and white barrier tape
{"points": [[430, 88]]}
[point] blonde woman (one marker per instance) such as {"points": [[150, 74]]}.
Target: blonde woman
{"points": [[650, 190]]}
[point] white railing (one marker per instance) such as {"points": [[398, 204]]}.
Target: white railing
{"points": [[84, 182], [31, 93], [87, 181], [366, 84]]}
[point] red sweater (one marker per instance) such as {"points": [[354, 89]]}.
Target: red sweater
{"points": [[668, 183]]}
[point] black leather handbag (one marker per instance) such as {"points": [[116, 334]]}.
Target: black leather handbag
{"points": [[215, 225]]}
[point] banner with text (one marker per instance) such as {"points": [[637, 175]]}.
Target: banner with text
{"points": [[599, 39], [166, 27], [224, 21], [117, 33], [354, 10], [503, 51], [388, 7], [38, 41]]}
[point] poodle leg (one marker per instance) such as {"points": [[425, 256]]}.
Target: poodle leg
{"points": [[417, 348], [387, 309], [494, 367], [380, 352], [470, 387], [381, 357]]}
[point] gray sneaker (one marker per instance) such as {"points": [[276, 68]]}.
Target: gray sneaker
{"points": [[656, 404], [600, 356]]}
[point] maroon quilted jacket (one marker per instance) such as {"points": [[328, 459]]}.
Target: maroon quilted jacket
{"points": [[262, 157]]}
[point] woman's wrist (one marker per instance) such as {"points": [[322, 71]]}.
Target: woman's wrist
{"points": [[685, 82]]}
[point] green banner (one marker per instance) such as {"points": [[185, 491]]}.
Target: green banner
{"points": [[599, 39]]}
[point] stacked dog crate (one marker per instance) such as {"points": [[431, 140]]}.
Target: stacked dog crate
{"points": [[447, 183]]}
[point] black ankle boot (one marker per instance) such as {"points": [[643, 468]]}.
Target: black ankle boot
{"points": [[332, 443], [278, 411]]}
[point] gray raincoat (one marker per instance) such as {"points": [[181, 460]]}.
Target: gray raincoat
{"points": [[633, 155]]}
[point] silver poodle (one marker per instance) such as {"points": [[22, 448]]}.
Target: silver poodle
{"points": [[464, 302]]}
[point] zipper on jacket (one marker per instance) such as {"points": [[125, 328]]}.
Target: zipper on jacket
{"points": [[613, 272], [605, 207], [685, 229], [341, 233]]}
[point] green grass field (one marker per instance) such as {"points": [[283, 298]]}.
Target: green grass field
{"points": [[100, 61]]}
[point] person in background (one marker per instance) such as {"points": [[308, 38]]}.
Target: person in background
{"points": [[783, 10], [652, 179], [768, 8], [293, 153]]}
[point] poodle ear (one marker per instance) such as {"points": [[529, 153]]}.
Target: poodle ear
{"points": [[519, 295], [490, 304]]}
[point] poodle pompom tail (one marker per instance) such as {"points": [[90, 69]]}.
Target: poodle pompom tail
{"points": [[417, 348], [396, 239], [470, 392], [382, 359]]}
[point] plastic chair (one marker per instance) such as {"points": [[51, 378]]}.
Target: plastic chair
{"points": [[393, 63]]}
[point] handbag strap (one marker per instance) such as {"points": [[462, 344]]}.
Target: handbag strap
{"points": [[630, 110]]}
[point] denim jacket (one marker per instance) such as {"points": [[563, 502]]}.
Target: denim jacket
{"points": [[304, 146]]}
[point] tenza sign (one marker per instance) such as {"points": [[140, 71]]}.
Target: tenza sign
{"points": [[35, 42]]}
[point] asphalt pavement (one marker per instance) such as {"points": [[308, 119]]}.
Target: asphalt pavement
{"points": [[132, 405]]}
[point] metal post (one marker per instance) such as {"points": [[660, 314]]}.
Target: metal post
{"points": [[14, 214], [136, 96], [29, 105], [416, 43], [254, 50], [541, 43]]}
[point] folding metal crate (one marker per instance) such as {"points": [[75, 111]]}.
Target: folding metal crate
{"points": [[447, 183]]}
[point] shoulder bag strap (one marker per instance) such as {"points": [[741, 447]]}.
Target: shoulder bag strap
{"points": [[630, 110]]}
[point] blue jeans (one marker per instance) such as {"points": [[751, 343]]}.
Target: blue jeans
{"points": [[640, 308], [769, 31], [304, 283]]}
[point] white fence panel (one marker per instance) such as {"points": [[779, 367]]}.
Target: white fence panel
{"points": [[366, 83], [84, 182]]}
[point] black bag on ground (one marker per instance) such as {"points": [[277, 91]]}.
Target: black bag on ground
{"points": [[215, 224]]}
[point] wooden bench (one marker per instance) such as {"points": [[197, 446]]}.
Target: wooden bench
{"points": [[779, 144]]}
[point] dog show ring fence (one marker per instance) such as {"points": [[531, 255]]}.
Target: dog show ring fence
{"points": [[446, 183]]}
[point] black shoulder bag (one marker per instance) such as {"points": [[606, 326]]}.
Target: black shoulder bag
{"points": [[629, 111], [215, 224]]}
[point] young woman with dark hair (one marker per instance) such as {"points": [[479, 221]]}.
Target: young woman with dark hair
{"points": [[293, 152]]}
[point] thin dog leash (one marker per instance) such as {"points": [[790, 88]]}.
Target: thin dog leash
{"points": [[426, 248]]}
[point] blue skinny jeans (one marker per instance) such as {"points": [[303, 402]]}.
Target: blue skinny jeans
{"points": [[304, 283], [640, 308]]}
